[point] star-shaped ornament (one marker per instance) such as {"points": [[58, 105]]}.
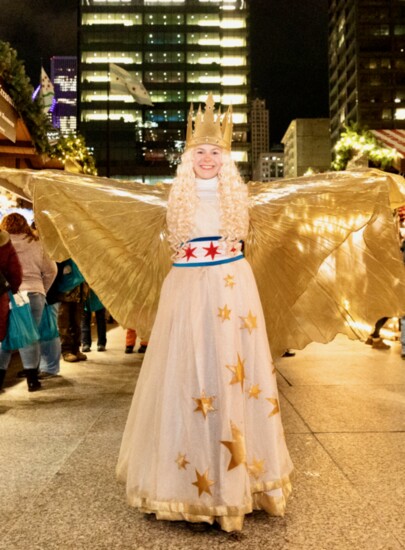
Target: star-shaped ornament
{"points": [[224, 313], [238, 371], [256, 468], [204, 404], [249, 322], [212, 250], [236, 447], [182, 461], [276, 406], [203, 483], [229, 281], [189, 252], [254, 391]]}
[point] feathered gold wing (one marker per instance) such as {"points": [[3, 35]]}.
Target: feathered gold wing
{"points": [[114, 230], [325, 253], [324, 248]]}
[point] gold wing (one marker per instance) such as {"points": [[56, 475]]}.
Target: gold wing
{"points": [[325, 253], [114, 230]]}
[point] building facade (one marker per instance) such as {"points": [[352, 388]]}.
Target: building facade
{"points": [[64, 80], [180, 50], [366, 64], [269, 166], [307, 146], [259, 130]]}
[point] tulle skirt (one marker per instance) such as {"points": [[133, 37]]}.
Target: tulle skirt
{"points": [[204, 440]]}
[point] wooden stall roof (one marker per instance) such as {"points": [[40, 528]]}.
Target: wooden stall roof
{"points": [[22, 153]]}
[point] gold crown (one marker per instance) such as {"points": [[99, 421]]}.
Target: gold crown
{"points": [[208, 127]]}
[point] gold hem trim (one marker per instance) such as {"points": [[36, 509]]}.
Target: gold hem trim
{"points": [[230, 518]]}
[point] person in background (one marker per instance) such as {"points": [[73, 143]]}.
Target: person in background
{"points": [[72, 293], [130, 339], [93, 304], [10, 268], [375, 340], [288, 353], [49, 364], [38, 274]]}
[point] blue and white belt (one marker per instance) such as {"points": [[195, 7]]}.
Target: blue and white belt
{"points": [[205, 251]]}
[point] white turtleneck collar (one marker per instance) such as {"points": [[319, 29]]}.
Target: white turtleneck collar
{"points": [[206, 186]]}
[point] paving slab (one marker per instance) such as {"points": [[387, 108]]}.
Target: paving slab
{"points": [[343, 411]]}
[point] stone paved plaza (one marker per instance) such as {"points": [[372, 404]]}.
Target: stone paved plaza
{"points": [[343, 407]]}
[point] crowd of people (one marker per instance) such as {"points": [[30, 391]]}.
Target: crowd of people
{"points": [[26, 268]]}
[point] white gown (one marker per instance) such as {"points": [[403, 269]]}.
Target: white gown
{"points": [[204, 439]]}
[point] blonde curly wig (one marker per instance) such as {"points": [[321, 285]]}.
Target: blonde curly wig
{"points": [[183, 200]]}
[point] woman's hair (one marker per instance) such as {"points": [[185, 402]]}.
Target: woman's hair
{"points": [[16, 224], [183, 200]]}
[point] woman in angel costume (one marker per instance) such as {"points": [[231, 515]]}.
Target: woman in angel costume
{"points": [[204, 440]]}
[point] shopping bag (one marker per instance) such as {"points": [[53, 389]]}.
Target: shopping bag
{"points": [[93, 302], [21, 328], [48, 327]]}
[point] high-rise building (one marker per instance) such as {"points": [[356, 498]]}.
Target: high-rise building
{"points": [[180, 50], [366, 64], [64, 79], [306, 146], [259, 129]]}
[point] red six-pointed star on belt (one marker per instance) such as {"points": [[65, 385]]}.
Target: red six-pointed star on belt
{"points": [[189, 252], [211, 250]]}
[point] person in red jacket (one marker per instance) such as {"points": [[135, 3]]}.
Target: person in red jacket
{"points": [[10, 267]]}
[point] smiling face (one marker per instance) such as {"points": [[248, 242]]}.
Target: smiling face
{"points": [[207, 161]]}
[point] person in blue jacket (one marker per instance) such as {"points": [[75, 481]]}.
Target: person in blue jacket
{"points": [[72, 294]]}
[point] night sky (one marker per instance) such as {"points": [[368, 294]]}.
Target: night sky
{"points": [[288, 47]]}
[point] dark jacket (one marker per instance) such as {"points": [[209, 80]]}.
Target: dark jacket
{"points": [[11, 269]]}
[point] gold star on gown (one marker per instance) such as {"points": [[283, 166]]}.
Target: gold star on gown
{"points": [[182, 461], [238, 371], [229, 281], [236, 447], [276, 406], [256, 468], [204, 404], [224, 313], [203, 483], [254, 391], [249, 322]]}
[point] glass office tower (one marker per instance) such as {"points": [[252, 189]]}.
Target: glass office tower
{"points": [[64, 79], [367, 64], [181, 50]]}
